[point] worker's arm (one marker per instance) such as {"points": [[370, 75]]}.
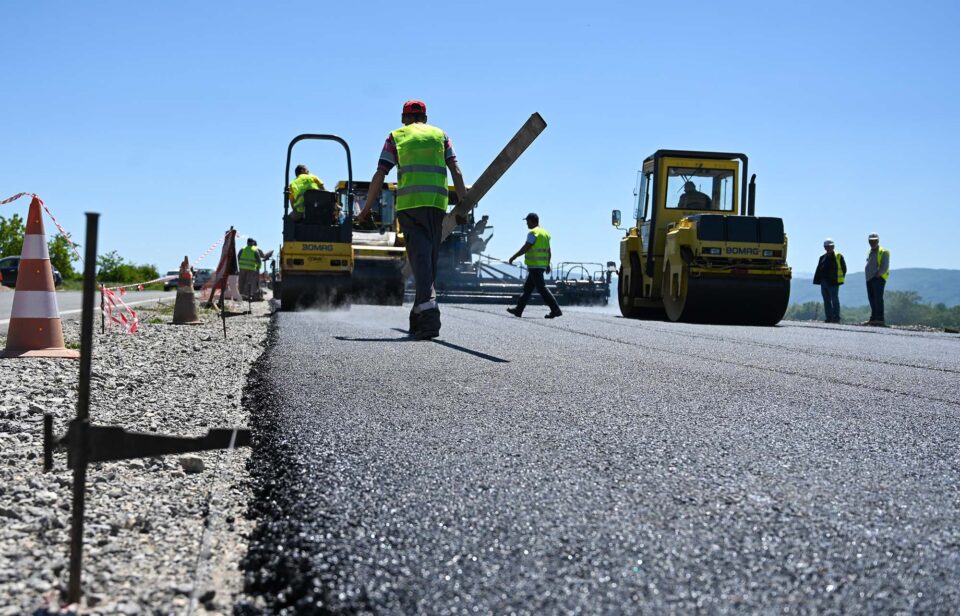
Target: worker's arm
{"points": [[523, 249], [884, 265], [373, 194], [457, 176], [549, 259], [843, 265]]}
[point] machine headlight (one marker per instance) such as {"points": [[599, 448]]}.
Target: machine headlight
{"points": [[773, 253], [711, 251]]}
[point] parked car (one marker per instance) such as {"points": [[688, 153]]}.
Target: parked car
{"points": [[201, 277], [9, 266], [171, 284]]}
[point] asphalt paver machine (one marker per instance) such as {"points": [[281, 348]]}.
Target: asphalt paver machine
{"points": [[698, 252]]}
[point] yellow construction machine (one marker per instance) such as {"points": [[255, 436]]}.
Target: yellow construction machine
{"points": [[378, 249], [327, 259], [697, 252]]}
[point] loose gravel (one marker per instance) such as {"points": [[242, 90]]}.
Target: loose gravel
{"points": [[145, 549]]}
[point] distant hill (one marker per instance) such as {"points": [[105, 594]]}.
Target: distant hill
{"points": [[933, 285]]}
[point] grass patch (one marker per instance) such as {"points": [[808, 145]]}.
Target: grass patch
{"points": [[156, 321], [70, 344], [77, 285], [158, 309]]}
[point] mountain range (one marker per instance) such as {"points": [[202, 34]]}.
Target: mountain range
{"points": [[933, 285]]}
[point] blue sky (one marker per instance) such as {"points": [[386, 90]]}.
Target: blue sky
{"points": [[172, 119]]}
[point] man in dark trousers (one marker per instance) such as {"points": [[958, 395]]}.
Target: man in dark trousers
{"points": [[249, 259], [877, 271], [422, 155], [536, 255], [829, 275]]}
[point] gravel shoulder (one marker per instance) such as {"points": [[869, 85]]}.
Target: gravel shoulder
{"points": [[145, 549]]}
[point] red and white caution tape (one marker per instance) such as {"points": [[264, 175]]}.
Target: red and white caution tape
{"points": [[208, 250], [52, 217], [111, 299], [144, 283], [15, 197]]}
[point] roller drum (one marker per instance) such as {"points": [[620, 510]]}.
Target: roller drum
{"points": [[729, 300]]}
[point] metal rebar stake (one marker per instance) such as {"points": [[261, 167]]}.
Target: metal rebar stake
{"points": [[83, 408]]}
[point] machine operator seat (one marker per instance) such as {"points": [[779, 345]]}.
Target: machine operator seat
{"points": [[320, 207], [321, 220]]}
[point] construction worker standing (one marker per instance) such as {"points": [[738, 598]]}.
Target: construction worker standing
{"points": [[422, 154], [876, 271], [249, 259], [829, 275], [305, 181], [536, 255]]}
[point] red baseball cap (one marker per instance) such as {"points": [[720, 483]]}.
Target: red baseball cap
{"points": [[414, 107]]}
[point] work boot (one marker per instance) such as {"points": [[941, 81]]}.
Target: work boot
{"points": [[515, 312], [553, 314], [413, 323], [428, 324]]}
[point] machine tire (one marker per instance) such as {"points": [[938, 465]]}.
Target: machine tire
{"points": [[628, 311], [394, 293], [632, 289], [288, 301], [674, 302]]}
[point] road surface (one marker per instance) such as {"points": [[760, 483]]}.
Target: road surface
{"points": [[70, 302], [594, 464]]}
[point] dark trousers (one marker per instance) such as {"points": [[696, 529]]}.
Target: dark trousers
{"points": [[422, 228], [831, 301], [535, 281], [875, 296]]}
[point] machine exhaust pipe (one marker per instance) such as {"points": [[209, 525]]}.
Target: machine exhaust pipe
{"points": [[752, 195]]}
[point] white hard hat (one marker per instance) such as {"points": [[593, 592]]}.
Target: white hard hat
{"points": [[827, 242], [873, 236]]}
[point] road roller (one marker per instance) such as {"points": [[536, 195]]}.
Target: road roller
{"points": [[698, 253], [328, 259], [316, 258]]}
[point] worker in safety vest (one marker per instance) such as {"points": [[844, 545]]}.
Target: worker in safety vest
{"points": [[422, 155], [305, 181], [829, 275], [536, 255], [876, 271], [249, 259], [693, 199]]}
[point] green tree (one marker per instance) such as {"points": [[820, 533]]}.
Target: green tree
{"points": [[114, 269], [807, 311], [62, 257], [11, 236]]}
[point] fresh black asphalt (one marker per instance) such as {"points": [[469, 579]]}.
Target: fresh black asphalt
{"points": [[594, 464]]}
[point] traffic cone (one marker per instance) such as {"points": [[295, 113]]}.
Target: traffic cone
{"points": [[185, 310], [35, 328]]}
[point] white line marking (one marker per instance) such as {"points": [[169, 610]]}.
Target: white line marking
{"points": [[96, 308]]}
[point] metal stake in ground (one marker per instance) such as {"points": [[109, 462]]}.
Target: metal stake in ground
{"points": [[87, 443], [83, 409]]}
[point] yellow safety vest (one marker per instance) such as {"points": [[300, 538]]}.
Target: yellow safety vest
{"points": [[302, 184], [539, 254], [839, 268], [421, 167], [248, 258], [880, 252]]}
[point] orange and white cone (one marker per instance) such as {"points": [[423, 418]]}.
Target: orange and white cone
{"points": [[35, 329]]}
